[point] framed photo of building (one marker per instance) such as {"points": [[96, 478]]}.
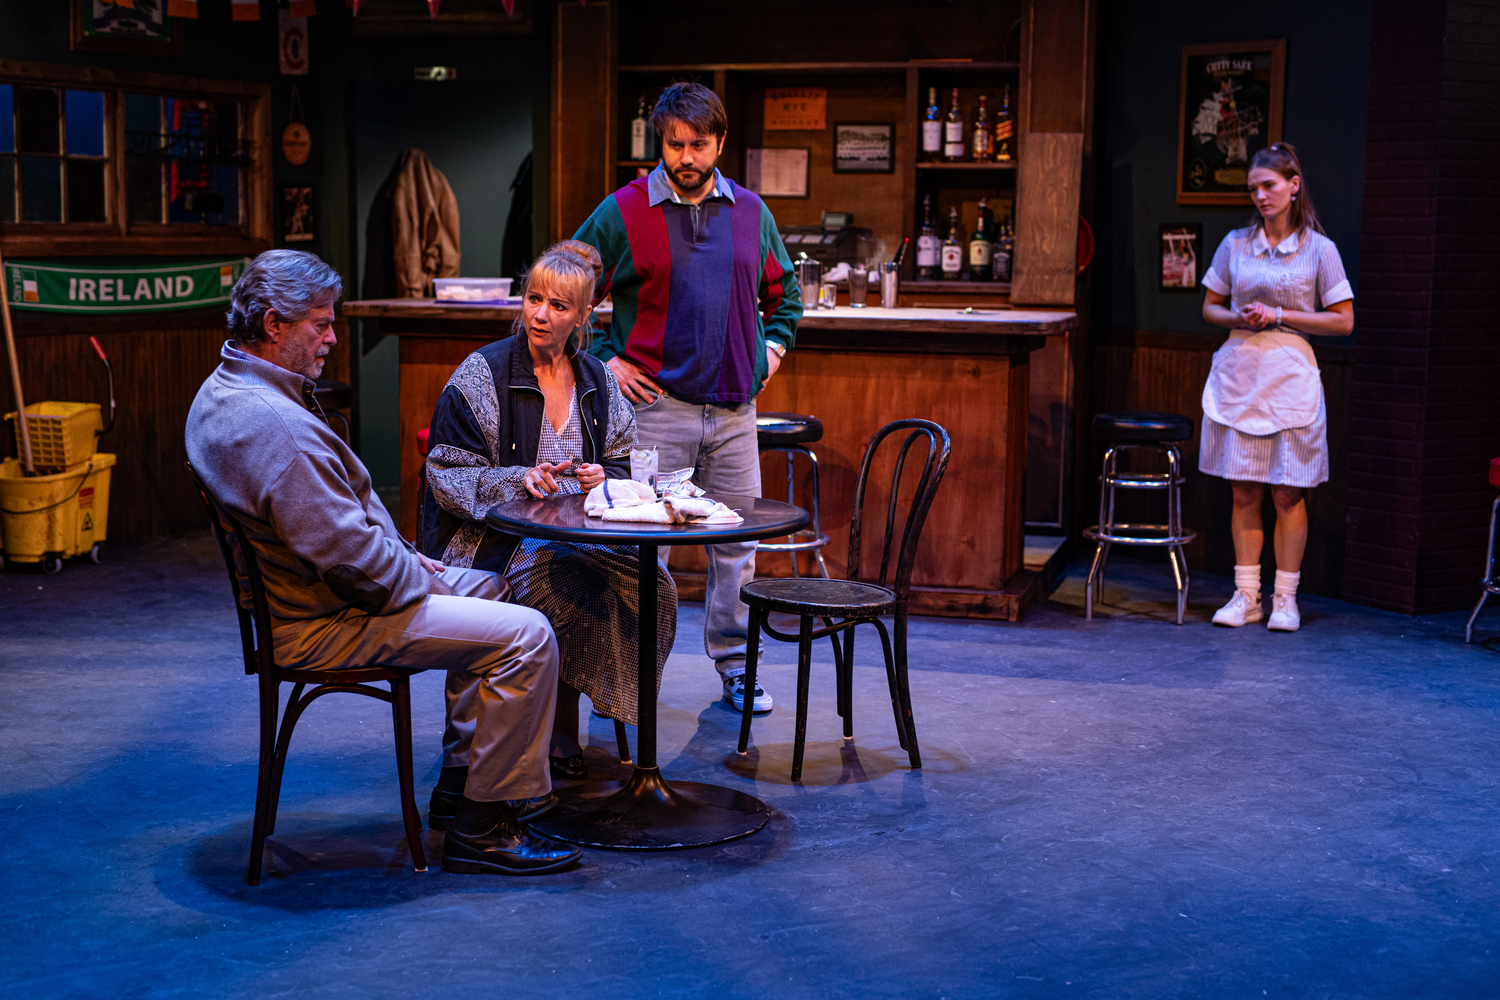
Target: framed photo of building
{"points": [[142, 30], [297, 215], [1181, 256], [864, 147], [1231, 104]]}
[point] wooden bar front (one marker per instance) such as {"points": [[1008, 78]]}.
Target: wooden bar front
{"points": [[856, 370]]}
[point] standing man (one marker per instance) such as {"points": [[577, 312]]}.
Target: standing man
{"points": [[345, 588], [705, 308]]}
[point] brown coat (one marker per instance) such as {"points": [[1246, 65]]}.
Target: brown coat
{"points": [[424, 226]]}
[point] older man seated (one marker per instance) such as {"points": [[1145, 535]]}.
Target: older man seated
{"points": [[345, 588]]}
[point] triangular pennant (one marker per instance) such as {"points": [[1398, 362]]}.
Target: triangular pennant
{"points": [[183, 8], [510, 7], [432, 7], [302, 8], [245, 10]]}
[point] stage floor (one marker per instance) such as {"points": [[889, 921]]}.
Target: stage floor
{"points": [[1114, 809]]}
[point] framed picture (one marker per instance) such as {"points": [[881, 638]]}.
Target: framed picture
{"points": [[864, 147], [1181, 256], [143, 30], [297, 215], [1231, 103], [777, 173]]}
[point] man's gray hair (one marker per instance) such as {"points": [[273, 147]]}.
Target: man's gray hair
{"points": [[291, 283]]}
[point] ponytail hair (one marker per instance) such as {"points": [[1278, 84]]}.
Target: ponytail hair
{"points": [[1282, 158]]}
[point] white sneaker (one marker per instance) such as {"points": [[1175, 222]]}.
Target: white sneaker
{"points": [[734, 693], [1242, 609], [1284, 614]]}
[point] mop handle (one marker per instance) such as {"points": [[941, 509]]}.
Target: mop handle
{"points": [[15, 374]]}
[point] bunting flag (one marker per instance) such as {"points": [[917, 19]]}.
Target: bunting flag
{"points": [[432, 7], [510, 7], [354, 5], [127, 4], [245, 10], [183, 8], [302, 8]]}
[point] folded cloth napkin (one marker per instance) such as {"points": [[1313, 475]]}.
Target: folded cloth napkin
{"points": [[627, 500], [701, 509], [618, 493]]}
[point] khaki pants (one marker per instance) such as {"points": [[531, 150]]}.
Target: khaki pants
{"points": [[502, 673]]}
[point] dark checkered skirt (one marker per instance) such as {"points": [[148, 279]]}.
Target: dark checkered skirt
{"points": [[590, 594]]}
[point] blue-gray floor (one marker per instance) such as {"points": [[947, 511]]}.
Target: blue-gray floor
{"points": [[1110, 809]]}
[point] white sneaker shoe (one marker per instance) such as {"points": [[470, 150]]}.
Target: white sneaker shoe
{"points": [[1242, 609], [734, 694], [1284, 614]]}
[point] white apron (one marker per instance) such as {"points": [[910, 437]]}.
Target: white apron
{"points": [[1265, 382]]}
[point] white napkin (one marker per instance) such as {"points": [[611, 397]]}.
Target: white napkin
{"points": [[627, 500], [618, 494]]}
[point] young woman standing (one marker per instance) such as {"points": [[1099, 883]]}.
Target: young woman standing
{"points": [[1264, 419]]}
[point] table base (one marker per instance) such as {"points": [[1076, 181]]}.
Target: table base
{"points": [[647, 814]]}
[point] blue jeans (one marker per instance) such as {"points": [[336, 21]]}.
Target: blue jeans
{"points": [[718, 443]]}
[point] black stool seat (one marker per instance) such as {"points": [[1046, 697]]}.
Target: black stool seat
{"points": [[1136, 425], [813, 596], [332, 394], [773, 429]]}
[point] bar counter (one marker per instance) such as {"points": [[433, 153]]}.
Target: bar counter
{"points": [[856, 370]]}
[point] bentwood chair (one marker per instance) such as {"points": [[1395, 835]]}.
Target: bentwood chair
{"points": [[1491, 582], [852, 601], [247, 586]]}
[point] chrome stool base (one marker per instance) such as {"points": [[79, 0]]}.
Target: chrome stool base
{"points": [[1490, 584], [812, 538]]}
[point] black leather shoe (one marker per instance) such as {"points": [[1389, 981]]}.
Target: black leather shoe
{"points": [[487, 838], [568, 768], [444, 806]]}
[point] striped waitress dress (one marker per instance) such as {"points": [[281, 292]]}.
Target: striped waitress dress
{"points": [[1264, 417]]}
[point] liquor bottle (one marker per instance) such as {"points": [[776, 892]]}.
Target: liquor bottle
{"points": [[932, 128], [953, 251], [981, 249], [981, 140], [953, 133], [1005, 127], [1004, 248], [640, 133], [927, 244]]}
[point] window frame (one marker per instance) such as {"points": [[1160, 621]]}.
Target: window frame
{"points": [[119, 236]]}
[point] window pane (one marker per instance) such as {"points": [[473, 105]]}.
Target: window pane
{"points": [[7, 189], [41, 189], [37, 115], [142, 113], [86, 191], [143, 189], [7, 121], [85, 122]]}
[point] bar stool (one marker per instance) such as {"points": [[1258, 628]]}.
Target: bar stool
{"points": [[1490, 584], [1125, 431], [790, 433], [334, 397]]}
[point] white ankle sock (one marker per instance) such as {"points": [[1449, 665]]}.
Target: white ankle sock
{"points": [[1247, 578], [1286, 583]]}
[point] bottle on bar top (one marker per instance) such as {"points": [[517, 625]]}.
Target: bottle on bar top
{"points": [[953, 133], [640, 133], [927, 244], [953, 250], [1005, 127], [981, 140], [1004, 247], [932, 128], [980, 246]]}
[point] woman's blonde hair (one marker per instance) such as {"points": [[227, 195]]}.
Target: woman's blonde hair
{"points": [[570, 267]]}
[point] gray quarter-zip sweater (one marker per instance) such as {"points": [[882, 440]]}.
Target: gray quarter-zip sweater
{"points": [[324, 540]]}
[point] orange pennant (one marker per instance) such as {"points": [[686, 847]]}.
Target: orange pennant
{"points": [[302, 8], [183, 8], [245, 10]]}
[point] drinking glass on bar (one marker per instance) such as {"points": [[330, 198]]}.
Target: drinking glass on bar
{"points": [[859, 286], [828, 295]]}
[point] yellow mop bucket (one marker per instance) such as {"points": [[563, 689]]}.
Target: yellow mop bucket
{"points": [[47, 519]]}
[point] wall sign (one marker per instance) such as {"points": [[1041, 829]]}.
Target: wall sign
{"points": [[124, 289], [1181, 256], [292, 48], [297, 215], [777, 173], [864, 147], [796, 108], [1230, 109]]}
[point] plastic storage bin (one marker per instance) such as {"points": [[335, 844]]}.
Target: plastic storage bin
{"points": [[50, 518], [472, 289], [62, 434]]}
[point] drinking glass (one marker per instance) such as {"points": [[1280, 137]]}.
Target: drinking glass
{"points": [[859, 286]]}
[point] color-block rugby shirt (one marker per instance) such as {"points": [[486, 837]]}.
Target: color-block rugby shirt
{"points": [[697, 289]]}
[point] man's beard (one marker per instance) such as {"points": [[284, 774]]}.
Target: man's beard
{"points": [[701, 176]]}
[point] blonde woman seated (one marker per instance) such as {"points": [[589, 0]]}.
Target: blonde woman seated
{"points": [[533, 415]]}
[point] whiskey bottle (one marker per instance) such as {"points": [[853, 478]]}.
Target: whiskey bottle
{"points": [[1004, 247], [953, 251], [1005, 127], [953, 132], [981, 140], [980, 246], [927, 244], [640, 133], [932, 128]]}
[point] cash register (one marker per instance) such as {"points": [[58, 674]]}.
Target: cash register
{"points": [[836, 240]]}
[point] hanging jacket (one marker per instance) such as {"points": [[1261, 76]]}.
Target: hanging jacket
{"points": [[424, 225]]}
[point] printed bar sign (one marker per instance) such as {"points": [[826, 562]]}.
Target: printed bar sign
{"points": [[73, 288]]}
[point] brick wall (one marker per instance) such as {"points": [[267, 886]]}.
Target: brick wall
{"points": [[1425, 414]]}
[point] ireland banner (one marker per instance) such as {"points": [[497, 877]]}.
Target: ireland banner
{"points": [[125, 288]]}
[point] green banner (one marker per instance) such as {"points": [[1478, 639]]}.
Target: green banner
{"points": [[122, 288]]}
